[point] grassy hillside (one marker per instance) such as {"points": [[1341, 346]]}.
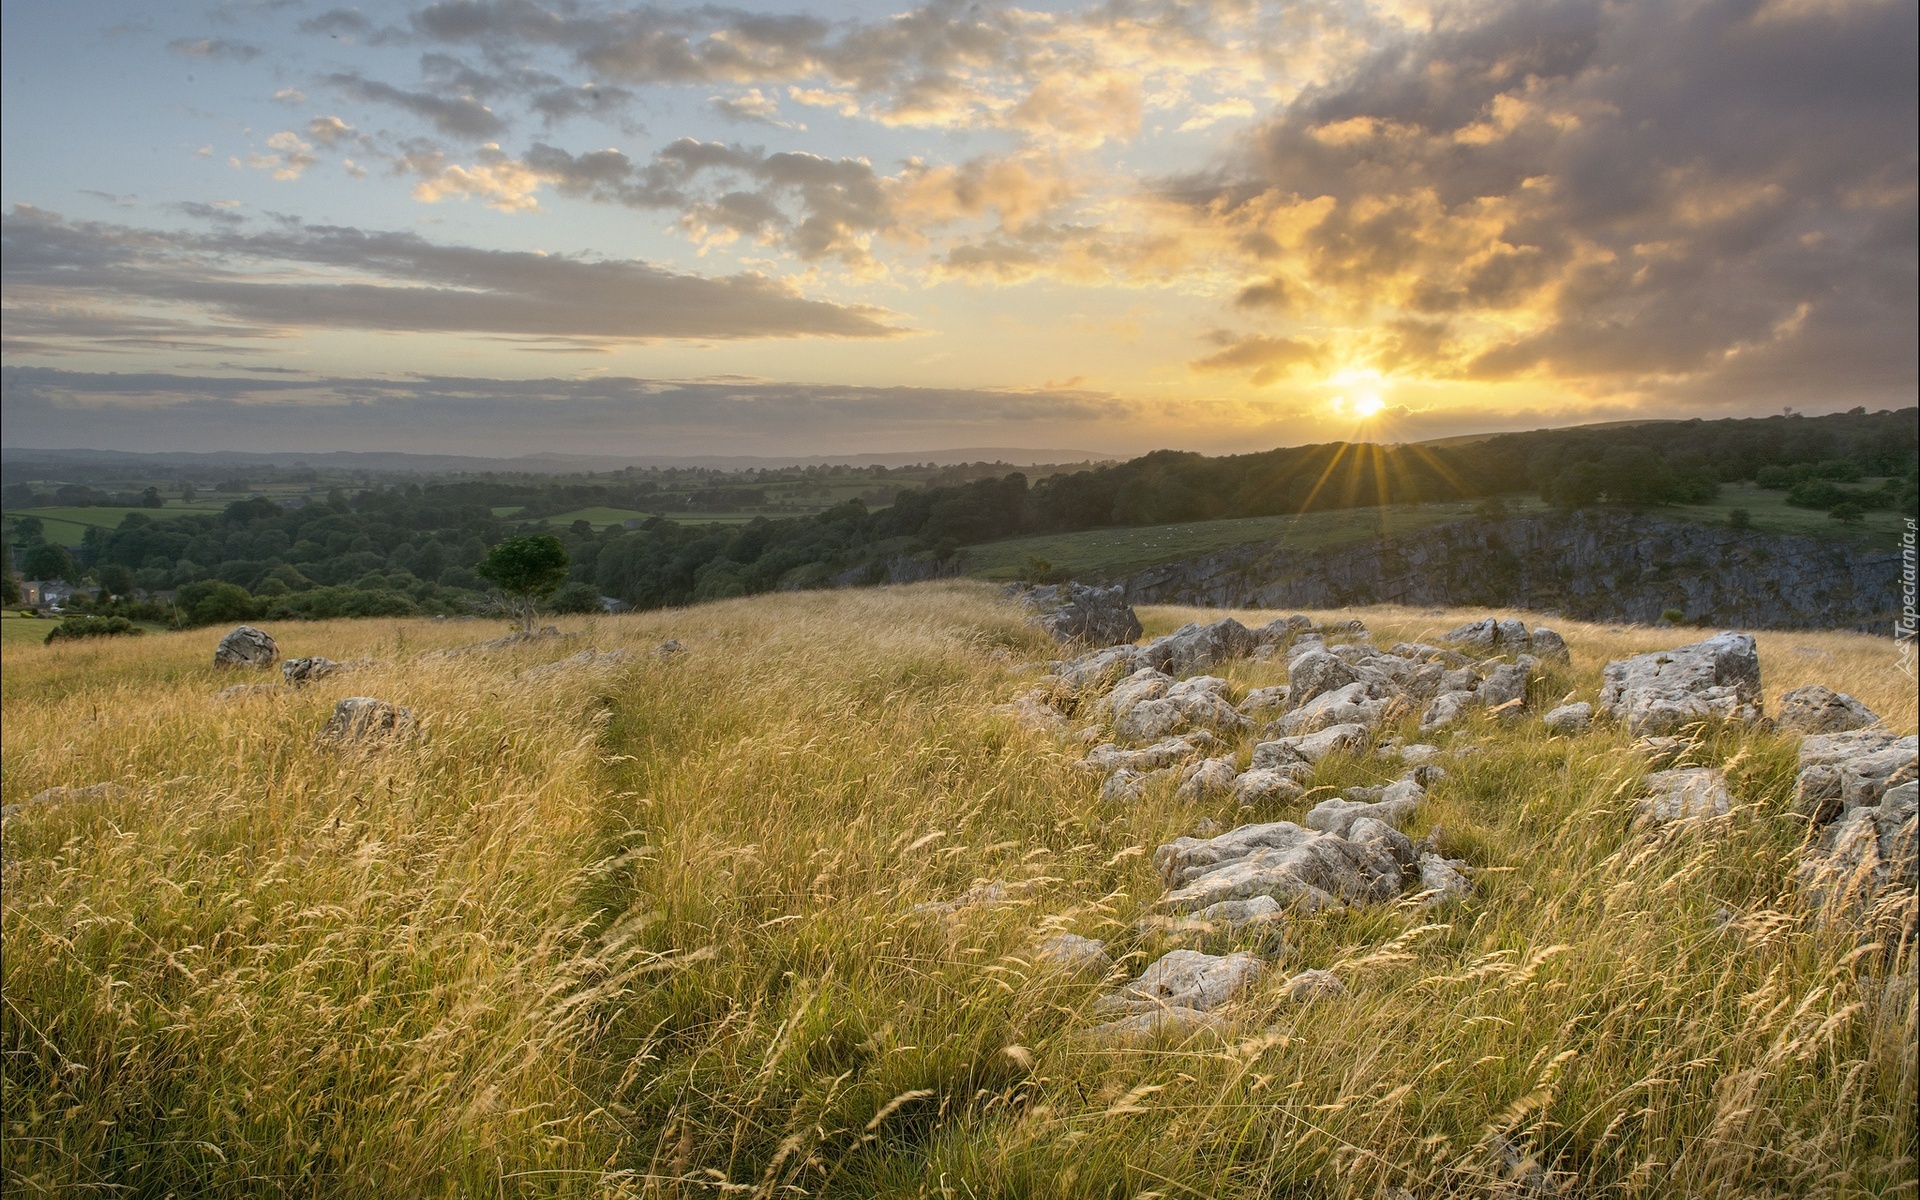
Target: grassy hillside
{"points": [[648, 930], [1104, 552]]}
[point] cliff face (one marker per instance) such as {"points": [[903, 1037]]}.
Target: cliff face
{"points": [[1591, 565]]}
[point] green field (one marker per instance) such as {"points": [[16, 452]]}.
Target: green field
{"points": [[1115, 551], [599, 518], [1772, 514], [16, 630], [66, 526]]}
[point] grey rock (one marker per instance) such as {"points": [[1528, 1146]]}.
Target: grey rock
{"points": [[1265, 786], [1099, 668], [1137, 688], [1663, 691], [1547, 644], [1505, 687], [1205, 780], [247, 647], [1076, 613], [1310, 747], [1374, 832], [1570, 718], [1235, 915], [671, 648], [1107, 757], [1309, 986], [1448, 708], [986, 893], [305, 670], [1265, 699], [1688, 793], [1031, 712], [1124, 786], [1419, 754], [1442, 879], [1195, 647], [1869, 850], [1316, 672], [1186, 979], [1170, 1023], [1817, 709], [1843, 771], [1349, 705], [1071, 952], [245, 691], [1282, 860], [1190, 704], [1395, 807], [365, 721]]}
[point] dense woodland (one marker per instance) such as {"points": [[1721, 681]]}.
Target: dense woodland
{"points": [[394, 548]]}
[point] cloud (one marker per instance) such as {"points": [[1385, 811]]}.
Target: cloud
{"points": [[297, 277], [219, 48], [1267, 358], [444, 414], [457, 116], [1625, 196], [751, 106]]}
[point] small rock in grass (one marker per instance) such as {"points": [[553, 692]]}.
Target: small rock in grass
{"points": [[1816, 709], [1686, 794], [1072, 952], [1570, 718], [247, 647], [1309, 986], [1442, 879], [363, 720]]}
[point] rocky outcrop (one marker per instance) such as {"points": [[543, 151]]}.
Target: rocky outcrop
{"points": [[1592, 565], [1867, 852], [247, 648], [1663, 691], [1840, 772], [1282, 860], [1075, 613], [1570, 718], [1817, 709], [365, 722], [1688, 793]]}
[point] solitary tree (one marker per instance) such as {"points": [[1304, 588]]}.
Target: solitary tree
{"points": [[527, 570], [116, 580]]}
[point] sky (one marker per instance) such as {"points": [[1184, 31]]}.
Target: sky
{"points": [[502, 227]]}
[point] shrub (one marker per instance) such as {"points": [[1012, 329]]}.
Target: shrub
{"points": [[214, 602], [1848, 513], [1740, 518], [74, 629], [576, 597], [1673, 616]]}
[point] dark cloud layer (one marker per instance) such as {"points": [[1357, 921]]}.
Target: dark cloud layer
{"points": [[50, 407], [1621, 192], [59, 276]]}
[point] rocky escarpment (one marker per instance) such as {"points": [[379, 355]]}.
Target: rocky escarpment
{"points": [[1590, 565]]}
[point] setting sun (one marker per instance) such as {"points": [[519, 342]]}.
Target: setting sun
{"points": [[1366, 407]]}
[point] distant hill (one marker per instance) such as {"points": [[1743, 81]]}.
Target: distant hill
{"points": [[389, 463]]}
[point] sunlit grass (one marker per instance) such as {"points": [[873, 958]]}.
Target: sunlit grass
{"points": [[649, 931]]}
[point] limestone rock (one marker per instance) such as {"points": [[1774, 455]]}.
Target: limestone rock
{"points": [[986, 893], [1309, 986], [1506, 685], [1442, 879], [1195, 647], [1311, 747], [1190, 704], [1315, 672], [1570, 718], [1107, 757], [1265, 786], [1186, 979], [365, 721], [1867, 851], [1205, 780], [1663, 691], [1235, 915], [1687, 793], [1170, 1023], [243, 691], [1349, 705], [586, 660], [1076, 613], [1265, 699], [1032, 713], [1817, 709], [1282, 860], [671, 648], [1844, 771], [1099, 668], [1545, 643], [1395, 806], [306, 670], [1448, 708], [1071, 952], [247, 647], [1494, 636]]}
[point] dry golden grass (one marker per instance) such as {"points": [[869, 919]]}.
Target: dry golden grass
{"points": [[649, 931]]}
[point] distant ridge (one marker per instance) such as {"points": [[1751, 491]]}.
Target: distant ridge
{"points": [[549, 464], [1468, 439]]}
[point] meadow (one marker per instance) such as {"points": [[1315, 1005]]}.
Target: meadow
{"points": [[648, 928]]}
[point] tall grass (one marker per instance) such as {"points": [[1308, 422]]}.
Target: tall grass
{"points": [[649, 930]]}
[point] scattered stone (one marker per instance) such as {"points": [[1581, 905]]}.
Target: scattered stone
{"points": [[1686, 794], [1419, 754], [1570, 718], [1660, 692], [1205, 780], [545, 633], [1171, 1022], [1282, 860], [364, 720], [1444, 879], [1447, 709], [1265, 699], [1316, 672], [66, 794], [1870, 849], [1072, 952], [1191, 703], [671, 648], [1371, 831], [1545, 643], [1207, 827], [1349, 705], [1309, 986], [1395, 805], [1312, 747], [1236, 915], [1817, 709], [247, 647], [1075, 613], [1107, 757], [1663, 751], [1098, 668], [1125, 786], [1268, 785], [1031, 712], [1493, 636], [1504, 690], [1195, 647], [305, 670], [1843, 771], [1186, 979]]}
